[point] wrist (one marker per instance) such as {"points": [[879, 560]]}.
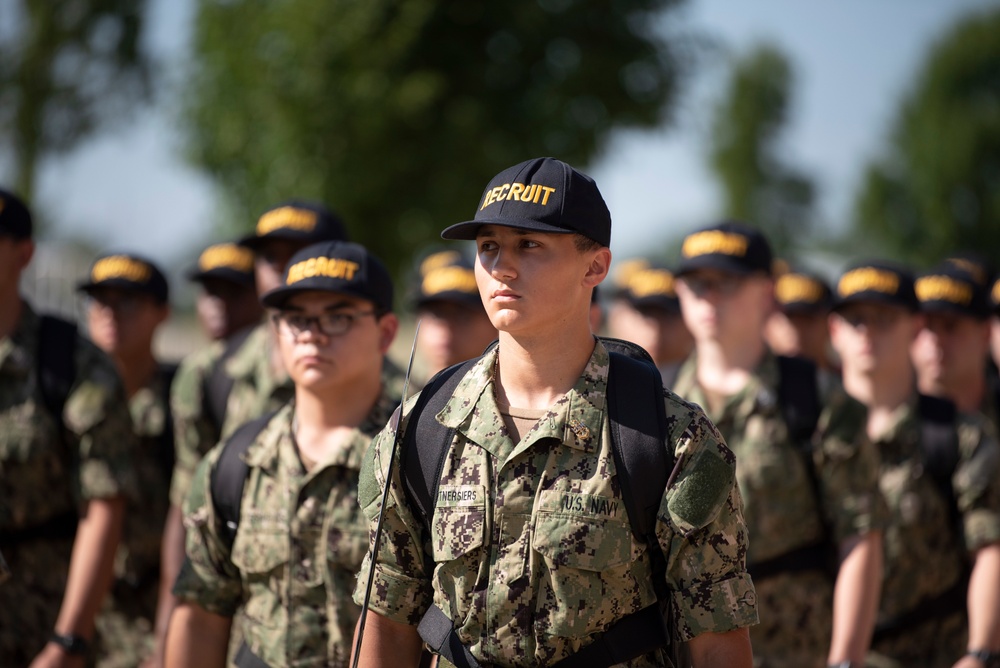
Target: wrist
{"points": [[72, 644]]}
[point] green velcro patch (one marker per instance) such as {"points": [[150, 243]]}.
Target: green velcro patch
{"points": [[698, 497]]}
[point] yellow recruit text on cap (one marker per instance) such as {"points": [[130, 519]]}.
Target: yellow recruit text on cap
{"points": [[795, 288], [868, 279], [226, 256], [943, 289], [438, 260], [331, 267], [120, 266], [448, 279], [647, 282], [715, 241], [534, 193], [286, 217]]}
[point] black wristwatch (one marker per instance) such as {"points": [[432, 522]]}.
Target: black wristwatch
{"points": [[73, 644], [989, 659]]}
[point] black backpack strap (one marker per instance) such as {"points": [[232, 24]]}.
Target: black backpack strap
{"points": [[166, 440], [230, 475], [218, 384], [939, 447], [56, 362], [426, 441]]}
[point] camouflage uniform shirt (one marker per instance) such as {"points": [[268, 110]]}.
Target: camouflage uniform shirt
{"points": [[46, 476], [780, 502], [298, 548], [125, 625], [924, 556], [530, 550]]}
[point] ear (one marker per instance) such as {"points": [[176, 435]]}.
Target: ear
{"points": [[388, 326], [598, 267]]}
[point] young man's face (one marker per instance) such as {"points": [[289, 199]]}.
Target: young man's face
{"points": [[873, 338], [451, 332], [950, 350], [660, 332], [723, 306], [122, 323], [328, 340], [535, 282], [225, 307]]}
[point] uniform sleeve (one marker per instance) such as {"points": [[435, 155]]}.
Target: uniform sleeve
{"points": [[702, 531], [194, 433], [976, 481], [848, 466], [96, 413], [401, 589], [208, 576]]}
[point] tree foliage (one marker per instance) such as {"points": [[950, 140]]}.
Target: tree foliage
{"points": [[757, 185], [67, 67], [396, 114], [936, 189]]}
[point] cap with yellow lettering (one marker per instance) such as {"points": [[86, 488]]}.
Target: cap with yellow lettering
{"points": [[729, 246], [545, 195], [15, 219], [225, 262], [949, 288], [335, 266], [127, 271], [447, 276], [644, 284], [802, 292], [297, 220], [876, 281]]}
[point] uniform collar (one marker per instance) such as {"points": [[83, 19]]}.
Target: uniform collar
{"points": [[575, 419]]}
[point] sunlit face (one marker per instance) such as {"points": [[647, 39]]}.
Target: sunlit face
{"points": [[123, 322], [225, 307], [950, 350], [536, 283], [318, 361], [723, 306], [873, 338], [270, 260], [451, 332], [661, 332]]}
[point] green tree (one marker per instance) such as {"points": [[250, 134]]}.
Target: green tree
{"points": [[67, 67], [757, 185], [936, 188], [396, 114]]}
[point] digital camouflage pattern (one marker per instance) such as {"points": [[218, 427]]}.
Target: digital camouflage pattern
{"points": [[924, 555], [125, 624], [532, 552], [299, 546], [780, 503], [45, 476], [257, 390]]}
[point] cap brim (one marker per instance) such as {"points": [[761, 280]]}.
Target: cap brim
{"points": [[719, 263], [466, 231]]}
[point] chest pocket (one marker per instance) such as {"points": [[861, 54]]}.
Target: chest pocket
{"points": [[587, 552]]}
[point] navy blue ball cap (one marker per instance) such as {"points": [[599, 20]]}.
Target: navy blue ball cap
{"points": [[729, 246], [542, 194], [127, 271], [447, 276], [297, 220], [230, 262], [876, 281], [15, 219], [949, 288], [335, 266]]}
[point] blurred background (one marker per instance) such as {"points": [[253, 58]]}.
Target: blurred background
{"points": [[160, 126]]}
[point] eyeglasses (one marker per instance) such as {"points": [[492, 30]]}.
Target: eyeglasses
{"points": [[725, 285], [328, 324]]}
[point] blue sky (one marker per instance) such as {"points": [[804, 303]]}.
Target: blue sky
{"points": [[130, 188]]}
